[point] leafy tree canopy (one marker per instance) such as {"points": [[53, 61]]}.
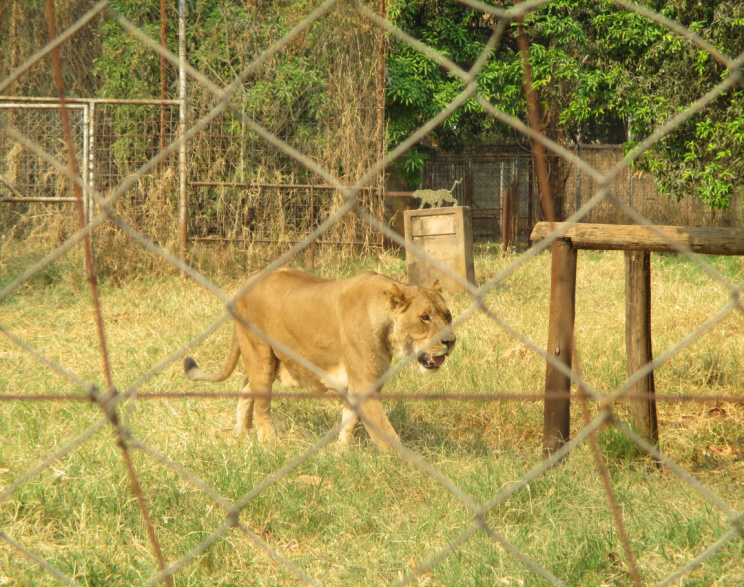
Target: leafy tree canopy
{"points": [[317, 93], [594, 65]]}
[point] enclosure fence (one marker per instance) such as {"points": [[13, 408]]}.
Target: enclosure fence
{"points": [[114, 402], [105, 154]]}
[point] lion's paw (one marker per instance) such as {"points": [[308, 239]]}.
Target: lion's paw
{"points": [[266, 434]]}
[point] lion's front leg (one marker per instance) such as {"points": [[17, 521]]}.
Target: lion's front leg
{"points": [[348, 421], [375, 420]]}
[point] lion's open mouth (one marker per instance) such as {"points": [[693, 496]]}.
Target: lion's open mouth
{"points": [[428, 361]]}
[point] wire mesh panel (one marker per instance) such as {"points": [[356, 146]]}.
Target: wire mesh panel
{"points": [[639, 191], [485, 180], [30, 185], [113, 140], [127, 135], [115, 470]]}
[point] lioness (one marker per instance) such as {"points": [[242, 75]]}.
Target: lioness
{"points": [[348, 328]]}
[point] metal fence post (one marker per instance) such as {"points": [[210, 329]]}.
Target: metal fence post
{"points": [[182, 179], [91, 178]]}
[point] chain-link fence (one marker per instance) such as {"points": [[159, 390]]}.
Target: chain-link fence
{"points": [[487, 176], [486, 179], [289, 562], [112, 140]]}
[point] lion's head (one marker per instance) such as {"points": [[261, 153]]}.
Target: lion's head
{"points": [[422, 323]]}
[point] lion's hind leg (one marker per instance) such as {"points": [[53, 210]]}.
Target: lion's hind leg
{"points": [[262, 410], [244, 421], [261, 365]]}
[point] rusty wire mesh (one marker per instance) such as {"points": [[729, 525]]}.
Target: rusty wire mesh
{"points": [[113, 402]]}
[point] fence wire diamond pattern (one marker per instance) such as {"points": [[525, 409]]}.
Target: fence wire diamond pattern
{"points": [[117, 405]]}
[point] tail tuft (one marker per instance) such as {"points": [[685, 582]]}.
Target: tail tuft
{"points": [[189, 364]]}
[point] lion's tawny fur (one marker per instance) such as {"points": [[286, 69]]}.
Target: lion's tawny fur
{"points": [[322, 334]]}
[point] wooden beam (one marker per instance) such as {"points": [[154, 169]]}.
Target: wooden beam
{"points": [[633, 237]]}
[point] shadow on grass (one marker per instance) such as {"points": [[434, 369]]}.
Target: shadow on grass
{"points": [[314, 419], [427, 436]]}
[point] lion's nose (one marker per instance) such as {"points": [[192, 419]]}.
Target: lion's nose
{"points": [[449, 343]]}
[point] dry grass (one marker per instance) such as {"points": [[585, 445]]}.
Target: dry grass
{"points": [[360, 517]]}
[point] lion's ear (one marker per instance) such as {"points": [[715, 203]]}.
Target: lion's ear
{"points": [[397, 298], [437, 286]]}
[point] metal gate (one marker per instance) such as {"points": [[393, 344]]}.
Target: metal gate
{"points": [[112, 138]]}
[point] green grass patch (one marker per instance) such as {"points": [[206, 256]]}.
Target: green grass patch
{"points": [[357, 516]]}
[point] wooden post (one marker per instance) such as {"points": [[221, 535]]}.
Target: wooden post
{"points": [[638, 341], [556, 418], [638, 242]]}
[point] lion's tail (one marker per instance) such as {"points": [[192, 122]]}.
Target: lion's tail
{"points": [[233, 354]]}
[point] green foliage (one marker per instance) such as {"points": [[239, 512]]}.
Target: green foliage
{"points": [[126, 67], [288, 96], [659, 74], [618, 448], [418, 88], [593, 64], [571, 91]]}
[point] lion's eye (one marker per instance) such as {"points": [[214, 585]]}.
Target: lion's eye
{"points": [[425, 318], [448, 317]]}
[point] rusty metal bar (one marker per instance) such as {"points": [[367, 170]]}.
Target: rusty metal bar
{"points": [[163, 69], [278, 241], [60, 84], [538, 149], [90, 268], [604, 475], [281, 186], [31, 101], [387, 396], [381, 56], [50, 200]]}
